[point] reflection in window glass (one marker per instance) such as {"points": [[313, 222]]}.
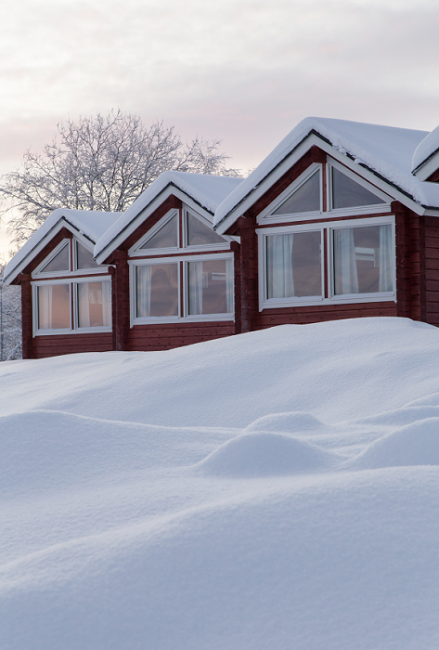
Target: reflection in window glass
{"points": [[346, 193], [294, 266], [363, 260], [166, 237], [210, 287], [305, 199], [157, 290], [60, 262], [198, 234], [94, 304], [54, 306], [84, 258]]}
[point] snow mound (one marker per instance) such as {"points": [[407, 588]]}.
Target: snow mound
{"points": [[293, 422], [50, 450], [414, 444], [267, 454]]}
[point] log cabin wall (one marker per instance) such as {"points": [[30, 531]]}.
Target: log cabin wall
{"points": [[430, 262], [417, 265], [49, 345]]}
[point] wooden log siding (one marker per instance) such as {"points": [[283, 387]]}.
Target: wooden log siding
{"points": [[60, 344], [431, 269], [26, 314], [121, 293], [166, 336]]}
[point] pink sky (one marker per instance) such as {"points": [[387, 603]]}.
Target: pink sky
{"points": [[244, 71]]}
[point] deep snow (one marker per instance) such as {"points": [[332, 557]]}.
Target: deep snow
{"points": [[277, 489]]}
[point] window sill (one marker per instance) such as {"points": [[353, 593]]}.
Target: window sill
{"points": [[336, 300], [202, 318]]}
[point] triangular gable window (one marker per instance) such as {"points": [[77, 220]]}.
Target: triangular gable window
{"points": [[61, 262], [84, 258], [198, 234], [305, 199], [346, 193], [166, 237]]}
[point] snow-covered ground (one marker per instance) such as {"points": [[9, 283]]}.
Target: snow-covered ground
{"points": [[278, 489]]}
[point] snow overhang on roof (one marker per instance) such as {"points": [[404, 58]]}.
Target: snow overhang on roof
{"points": [[88, 224], [425, 160], [385, 152], [204, 191]]}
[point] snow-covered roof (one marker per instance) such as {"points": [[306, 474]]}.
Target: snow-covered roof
{"points": [[206, 190], [385, 150], [426, 149], [88, 223]]}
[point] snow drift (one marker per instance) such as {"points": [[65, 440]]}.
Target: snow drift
{"points": [[277, 489]]}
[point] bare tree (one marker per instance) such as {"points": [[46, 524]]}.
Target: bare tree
{"points": [[100, 163]]}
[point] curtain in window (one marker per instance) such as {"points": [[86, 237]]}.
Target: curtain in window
{"points": [[83, 305], [143, 290], [346, 277], [45, 307], [195, 288], [106, 303], [385, 259], [280, 266]]}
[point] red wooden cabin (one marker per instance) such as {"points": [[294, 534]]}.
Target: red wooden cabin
{"points": [[339, 221]]}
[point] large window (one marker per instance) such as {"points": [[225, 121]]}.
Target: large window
{"points": [[362, 258], [70, 292], [344, 261], [181, 270], [294, 265], [343, 194], [190, 288]]}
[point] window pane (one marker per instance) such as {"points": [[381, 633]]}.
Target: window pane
{"points": [[166, 237], [198, 234], [157, 290], [346, 193], [210, 287], [294, 265], [305, 199], [60, 262], [54, 306], [363, 260], [84, 258], [94, 304]]}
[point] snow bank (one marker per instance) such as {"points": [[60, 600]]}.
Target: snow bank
{"points": [[415, 444], [277, 489], [267, 454]]}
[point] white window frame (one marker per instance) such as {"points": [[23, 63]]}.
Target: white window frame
{"points": [[366, 209], [86, 330], [38, 273], [266, 215], [183, 307], [135, 251], [72, 270], [292, 301], [35, 305], [220, 246], [327, 269], [378, 296], [73, 302]]}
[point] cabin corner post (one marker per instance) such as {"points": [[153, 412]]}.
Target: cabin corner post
{"points": [[26, 314], [121, 298], [249, 273]]}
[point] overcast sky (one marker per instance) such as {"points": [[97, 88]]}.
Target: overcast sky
{"points": [[243, 71]]}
